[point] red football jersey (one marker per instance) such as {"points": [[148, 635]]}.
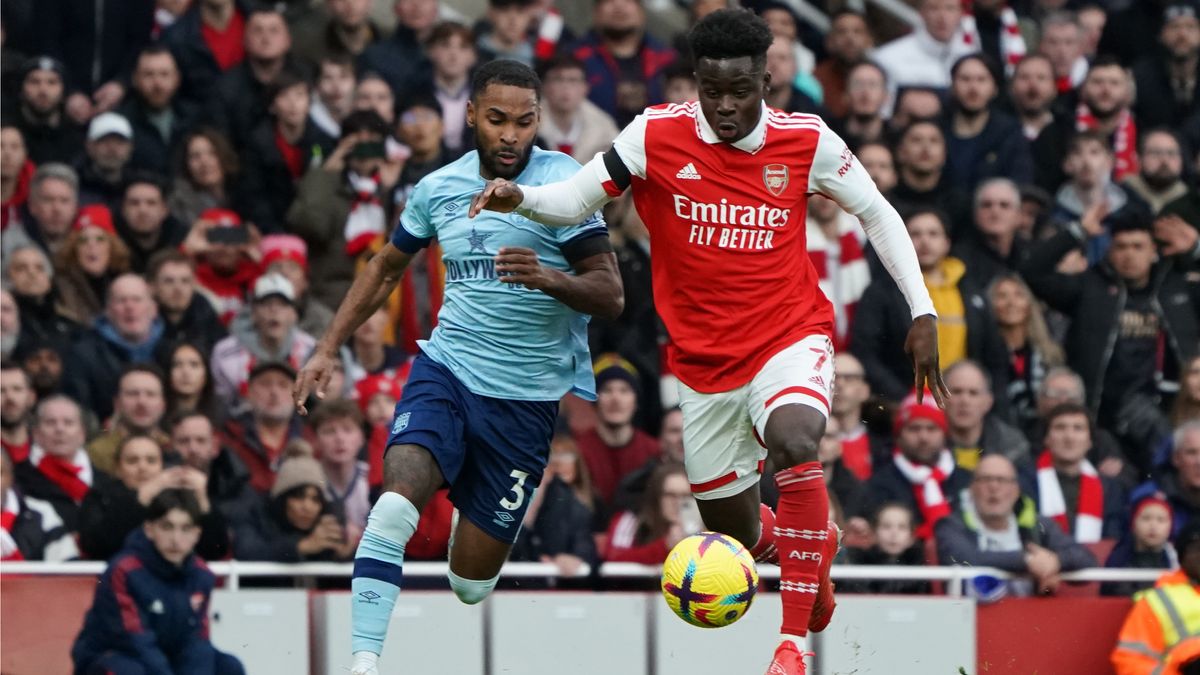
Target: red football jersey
{"points": [[732, 280]]}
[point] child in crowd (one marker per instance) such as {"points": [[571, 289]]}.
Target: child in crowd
{"points": [[1146, 545], [895, 544]]}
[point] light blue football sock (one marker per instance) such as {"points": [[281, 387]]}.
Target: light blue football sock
{"points": [[377, 569]]}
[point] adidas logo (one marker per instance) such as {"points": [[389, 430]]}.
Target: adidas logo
{"points": [[688, 172]]}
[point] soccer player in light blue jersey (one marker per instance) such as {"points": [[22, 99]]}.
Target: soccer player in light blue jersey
{"points": [[479, 406]]}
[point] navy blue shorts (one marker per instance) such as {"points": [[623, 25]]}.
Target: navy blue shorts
{"points": [[491, 451]]}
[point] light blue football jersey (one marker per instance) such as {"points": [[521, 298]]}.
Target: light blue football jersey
{"points": [[501, 340]]}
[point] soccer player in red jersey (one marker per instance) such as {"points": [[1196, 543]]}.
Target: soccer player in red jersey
{"points": [[722, 184]]}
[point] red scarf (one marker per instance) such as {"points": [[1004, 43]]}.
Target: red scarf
{"points": [[10, 210], [550, 31], [1124, 140], [927, 487], [72, 478], [1089, 516], [8, 518], [17, 453], [367, 222]]}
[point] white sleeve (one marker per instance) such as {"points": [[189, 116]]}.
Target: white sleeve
{"points": [[570, 201], [630, 144], [837, 174]]}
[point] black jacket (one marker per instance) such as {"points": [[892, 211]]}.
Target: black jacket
{"points": [[1094, 301], [887, 484], [563, 526], [999, 150], [39, 532], [94, 366], [200, 325], [97, 41], [1156, 104], [948, 199], [152, 152], [1133, 31], [34, 483], [111, 511], [95, 189], [913, 556], [400, 60], [171, 235], [239, 102], [266, 174], [881, 325], [41, 323], [62, 142], [265, 534], [196, 62], [229, 488], [983, 262]]}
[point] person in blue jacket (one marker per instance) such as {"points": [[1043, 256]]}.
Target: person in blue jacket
{"points": [[150, 613]]}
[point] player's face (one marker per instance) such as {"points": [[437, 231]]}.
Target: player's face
{"points": [[731, 94], [505, 119], [174, 535]]}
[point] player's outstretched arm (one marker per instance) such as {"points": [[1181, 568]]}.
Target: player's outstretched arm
{"points": [[562, 203], [595, 288], [367, 294]]}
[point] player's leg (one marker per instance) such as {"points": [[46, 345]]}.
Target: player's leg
{"points": [[475, 561]]}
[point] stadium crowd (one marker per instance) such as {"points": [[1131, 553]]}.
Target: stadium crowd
{"points": [[189, 188]]}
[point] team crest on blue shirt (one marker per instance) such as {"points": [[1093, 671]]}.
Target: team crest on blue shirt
{"points": [[401, 422], [476, 241]]}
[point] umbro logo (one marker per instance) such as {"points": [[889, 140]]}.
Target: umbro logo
{"points": [[688, 172], [452, 207], [369, 597]]}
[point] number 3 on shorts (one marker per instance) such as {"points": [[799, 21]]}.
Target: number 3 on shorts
{"points": [[517, 489]]}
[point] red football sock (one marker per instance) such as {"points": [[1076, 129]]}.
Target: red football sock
{"points": [[800, 532], [764, 550]]}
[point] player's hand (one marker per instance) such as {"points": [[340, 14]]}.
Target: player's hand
{"points": [[516, 265], [922, 347], [498, 195], [313, 379]]}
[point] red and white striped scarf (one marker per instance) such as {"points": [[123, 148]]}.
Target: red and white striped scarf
{"points": [[549, 33], [1124, 140], [8, 518], [1012, 43], [367, 221], [1089, 517], [73, 476], [927, 486], [842, 272]]}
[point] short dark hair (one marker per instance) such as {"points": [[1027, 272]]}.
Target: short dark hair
{"points": [[939, 214], [731, 34], [505, 71], [156, 49], [136, 437], [147, 368], [1065, 409], [364, 120], [174, 498], [340, 409], [181, 416], [443, 31], [166, 257], [1089, 136], [985, 60], [420, 101], [679, 70], [560, 62], [1105, 61], [286, 79], [340, 59], [1164, 131], [143, 177]]}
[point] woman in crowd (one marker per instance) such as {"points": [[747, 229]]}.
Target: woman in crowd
{"points": [[205, 176], [668, 514], [87, 263], [1031, 350], [189, 382]]}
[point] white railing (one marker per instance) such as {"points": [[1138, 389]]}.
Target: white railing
{"points": [[234, 571]]}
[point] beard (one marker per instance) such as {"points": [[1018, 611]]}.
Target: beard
{"points": [[1160, 181]]}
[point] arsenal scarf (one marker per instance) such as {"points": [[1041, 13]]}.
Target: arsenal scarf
{"points": [[1089, 516], [1012, 44], [1124, 140], [8, 518], [927, 487], [72, 476], [367, 221], [842, 272]]}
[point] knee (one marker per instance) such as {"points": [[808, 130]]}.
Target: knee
{"points": [[796, 448], [470, 591]]}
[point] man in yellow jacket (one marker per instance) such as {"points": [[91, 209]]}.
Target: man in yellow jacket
{"points": [[1161, 635]]}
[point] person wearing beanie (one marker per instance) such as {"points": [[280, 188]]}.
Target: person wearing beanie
{"points": [[86, 264], [1161, 634], [922, 474], [1146, 544], [615, 448]]}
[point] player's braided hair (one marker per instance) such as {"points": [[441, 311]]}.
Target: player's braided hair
{"points": [[730, 34], [505, 71]]}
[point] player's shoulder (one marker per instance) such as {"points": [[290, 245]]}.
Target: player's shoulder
{"points": [[465, 166], [548, 164], [786, 120], [666, 111]]}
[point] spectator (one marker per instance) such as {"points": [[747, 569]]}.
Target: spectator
{"points": [[1092, 195], [994, 246], [865, 100], [206, 176], [974, 430], [615, 448], [206, 41], [982, 142], [333, 97], [1187, 401], [400, 60], [240, 100], [782, 93], [1179, 480], [138, 409], [17, 399], [998, 527], [287, 255], [923, 58], [88, 261], [344, 33], [999, 31], [923, 181], [1031, 350], [1145, 544], [1166, 93], [129, 332], [563, 510], [964, 331], [227, 259], [108, 514], [452, 52], [1155, 636], [922, 474], [915, 104], [633, 486], [16, 173], [259, 435], [1032, 92], [151, 608], [295, 525], [187, 315], [53, 202], [325, 199], [58, 470], [155, 109], [1105, 97], [847, 43], [1086, 505], [504, 32], [570, 123], [38, 110], [1062, 385], [861, 448], [1064, 45], [624, 64], [420, 128], [1092, 19], [1112, 342], [895, 544], [194, 440], [32, 529], [337, 429], [1159, 180], [280, 149], [667, 514], [373, 93], [43, 362], [166, 13], [835, 247], [189, 382], [145, 225], [103, 172], [370, 351], [270, 335], [10, 324], [679, 84], [876, 158], [30, 275], [377, 396]]}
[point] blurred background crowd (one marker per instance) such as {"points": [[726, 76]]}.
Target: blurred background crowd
{"points": [[189, 188]]}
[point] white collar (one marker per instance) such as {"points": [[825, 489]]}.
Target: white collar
{"points": [[752, 143]]}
